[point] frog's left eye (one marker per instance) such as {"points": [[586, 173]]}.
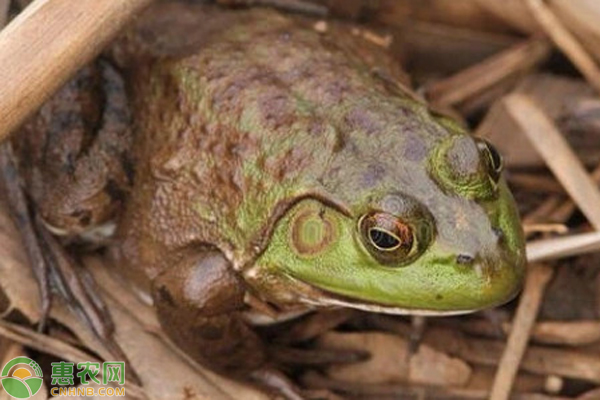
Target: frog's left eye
{"points": [[493, 159], [386, 237]]}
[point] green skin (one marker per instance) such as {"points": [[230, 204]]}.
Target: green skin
{"points": [[258, 150]]}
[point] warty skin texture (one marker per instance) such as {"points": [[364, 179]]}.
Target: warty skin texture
{"points": [[269, 118]]}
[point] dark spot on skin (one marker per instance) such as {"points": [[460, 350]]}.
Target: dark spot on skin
{"points": [[165, 296], [464, 259], [373, 174], [274, 109], [361, 120], [228, 98], [340, 142], [317, 128], [335, 91], [414, 148]]}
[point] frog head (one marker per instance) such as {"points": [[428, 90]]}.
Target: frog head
{"points": [[433, 234]]}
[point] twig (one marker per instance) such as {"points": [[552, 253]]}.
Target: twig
{"points": [[4, 5], [550, 249], [565, 41], [17, 202], [55, 347], [43, 343], [472, 80], [566, 208], [540, 360], [557, 153], [538, 277], [404, 391], [536, 182], [47, 43], [564, 333], [541, 212], [545, 228]]}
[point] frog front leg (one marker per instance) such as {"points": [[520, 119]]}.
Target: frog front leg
{"points": [[199, 303]]}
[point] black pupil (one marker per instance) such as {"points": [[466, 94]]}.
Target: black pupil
{"points": [[495, 158], [383, 240]]}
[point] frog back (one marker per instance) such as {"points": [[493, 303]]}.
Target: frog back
{"points": [[236, 125]]}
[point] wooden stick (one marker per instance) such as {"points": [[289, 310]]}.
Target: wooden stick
{"points": [[4, 5], [557, 153], [538, 277], [564, 333], [50, 40], [472, 80], [565, 41], [545, 228], [564, 210], [567, 246], [539, 360]]}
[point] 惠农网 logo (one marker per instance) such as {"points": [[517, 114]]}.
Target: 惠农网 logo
{"points": [[21, 377]]}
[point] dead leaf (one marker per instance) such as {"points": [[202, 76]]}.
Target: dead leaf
{"points": [[390, 361]]}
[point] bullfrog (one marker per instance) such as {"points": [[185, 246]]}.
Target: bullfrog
{"points": [[265, 167]]}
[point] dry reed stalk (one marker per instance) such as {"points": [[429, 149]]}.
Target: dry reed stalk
{"points": [[565, 41], [557, 153], [538, 277], [568, 246], [4, 5], [47, 43], [473, 80]]}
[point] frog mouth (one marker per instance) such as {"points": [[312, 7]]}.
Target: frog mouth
{"points": [[314, 296], [320, 297], [334, 300]]}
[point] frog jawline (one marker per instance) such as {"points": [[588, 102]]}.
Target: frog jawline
{"points": [[331, 300], [319, 297]]}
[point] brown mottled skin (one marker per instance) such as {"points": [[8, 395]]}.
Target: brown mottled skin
{"points": [[205, 138], [240, 116], [201, 139]]}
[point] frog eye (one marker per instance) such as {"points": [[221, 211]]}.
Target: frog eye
{"points": [[470, 168], [386, 237], [493, 159]]}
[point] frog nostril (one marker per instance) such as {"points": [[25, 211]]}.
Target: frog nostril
{"points": [[465, 259]]}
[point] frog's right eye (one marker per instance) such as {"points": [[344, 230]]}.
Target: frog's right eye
{"points": [[468, 167], [386, 237], [492, 157]]}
